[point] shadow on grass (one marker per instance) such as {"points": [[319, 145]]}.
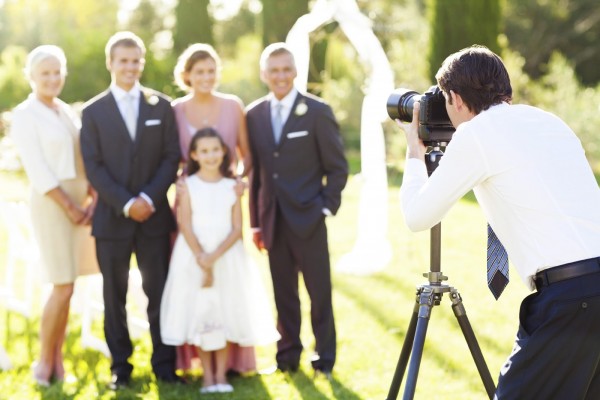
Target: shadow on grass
{"points": [[393, 287], [309, 391], [352, 287]]}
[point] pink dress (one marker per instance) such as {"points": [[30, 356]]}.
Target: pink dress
{"points": [[228, 124], [240, 359]]}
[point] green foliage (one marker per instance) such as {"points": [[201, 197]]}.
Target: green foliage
{"points": [[537, 28], [533, 29], [145, 21], [193, 24], [456, 24], [228, 32], [278, 17], [240, 73], [13, 84], [80, 27]]}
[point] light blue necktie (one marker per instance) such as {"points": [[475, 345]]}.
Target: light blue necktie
{"points": [[497, 264], [277, 122]]}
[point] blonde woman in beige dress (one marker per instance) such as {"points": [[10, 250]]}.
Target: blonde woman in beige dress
{"points": [[46, 133]]}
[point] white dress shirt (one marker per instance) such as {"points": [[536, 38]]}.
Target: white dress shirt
{"points": [[529, 173], [286, 104], [46, 141], [120, 96]]}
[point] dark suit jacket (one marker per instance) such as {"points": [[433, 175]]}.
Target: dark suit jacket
{"points": [[303, 174], [120, 168]]}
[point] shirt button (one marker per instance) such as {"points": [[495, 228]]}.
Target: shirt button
{"points": [[275, 175], [276, 154]]}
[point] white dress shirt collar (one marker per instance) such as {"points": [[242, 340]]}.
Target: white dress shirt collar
{"points": [[120, 93], [287, 102]]}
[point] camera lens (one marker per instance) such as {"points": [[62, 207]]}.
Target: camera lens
{"points": [[400, 104]]}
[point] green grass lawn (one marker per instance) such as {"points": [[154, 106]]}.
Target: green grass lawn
{"points": [[372, 315]]}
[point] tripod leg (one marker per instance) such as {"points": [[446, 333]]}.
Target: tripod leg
{"points": [[426, 303], [405, 354], [467, 330]]}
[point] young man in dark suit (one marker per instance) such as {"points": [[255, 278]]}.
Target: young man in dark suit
{"points": [[298, 176], [130, 148]]}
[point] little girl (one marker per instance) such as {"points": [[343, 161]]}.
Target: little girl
{"points": [[213, 293]]}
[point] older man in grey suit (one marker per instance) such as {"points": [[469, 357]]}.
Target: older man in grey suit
{"points": [[130, 148], [299, 173]]}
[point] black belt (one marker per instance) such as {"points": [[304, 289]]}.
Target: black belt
{"points": [[566, 271]]}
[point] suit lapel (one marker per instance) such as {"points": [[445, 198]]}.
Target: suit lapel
{"points": [[266, 115], [144, 111]]}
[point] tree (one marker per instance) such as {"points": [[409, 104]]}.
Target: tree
{"points": [[193, 24], [80, 27], [456, 24], [145, 21], [279, 17], [536, 29]]}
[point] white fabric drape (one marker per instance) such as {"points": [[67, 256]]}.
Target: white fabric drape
{"points": [[371, 251]]}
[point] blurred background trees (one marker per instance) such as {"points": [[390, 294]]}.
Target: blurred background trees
{"points": [[549, 47]]}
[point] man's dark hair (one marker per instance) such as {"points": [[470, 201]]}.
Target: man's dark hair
{"points": [[478, 75]]}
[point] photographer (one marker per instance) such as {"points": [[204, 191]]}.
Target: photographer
{"points": [[530, 176]]}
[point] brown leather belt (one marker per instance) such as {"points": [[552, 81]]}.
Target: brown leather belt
{"points": [[566, 271]]}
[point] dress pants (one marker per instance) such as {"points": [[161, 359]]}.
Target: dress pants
{"points": [[289, 255], [152, 255], [556, 354]]}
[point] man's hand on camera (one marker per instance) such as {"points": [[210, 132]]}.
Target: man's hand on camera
{"points": [[414, 146]]}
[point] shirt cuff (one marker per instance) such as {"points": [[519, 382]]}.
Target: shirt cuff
{"points": [[327, 212], [148, 200], [128, 206], [255, 230]]}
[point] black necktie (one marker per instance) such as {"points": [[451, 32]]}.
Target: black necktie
{"points": [[497, 264]]}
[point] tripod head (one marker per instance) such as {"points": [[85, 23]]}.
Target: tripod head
{"points": [[434, 155]]}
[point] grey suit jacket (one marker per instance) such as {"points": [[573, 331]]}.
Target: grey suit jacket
{"points": [[302, 174], [119, 168]]}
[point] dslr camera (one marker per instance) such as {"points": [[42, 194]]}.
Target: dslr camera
{"points": [[434, 124]]}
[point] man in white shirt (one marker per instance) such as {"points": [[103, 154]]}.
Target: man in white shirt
{"points": [[532, 180]]}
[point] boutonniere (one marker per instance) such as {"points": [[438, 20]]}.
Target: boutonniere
{"points": [[301, 109], [151, 98]]}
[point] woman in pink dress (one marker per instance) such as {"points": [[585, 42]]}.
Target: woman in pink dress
{"points": [[197, 72]]}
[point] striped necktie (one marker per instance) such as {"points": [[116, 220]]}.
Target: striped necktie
{"points": [[497, 264]]}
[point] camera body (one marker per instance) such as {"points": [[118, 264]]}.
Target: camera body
{"points": [[434, 122]]}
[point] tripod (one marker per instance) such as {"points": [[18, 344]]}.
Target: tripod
{"points": [[428, 296]]}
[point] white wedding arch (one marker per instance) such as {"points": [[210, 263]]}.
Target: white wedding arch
{"points": [[372, 250]]}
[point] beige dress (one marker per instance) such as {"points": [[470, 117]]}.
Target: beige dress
{"points": [[48, 145]]}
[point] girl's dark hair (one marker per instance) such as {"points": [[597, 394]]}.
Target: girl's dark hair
{"points": [[193, 166]]}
